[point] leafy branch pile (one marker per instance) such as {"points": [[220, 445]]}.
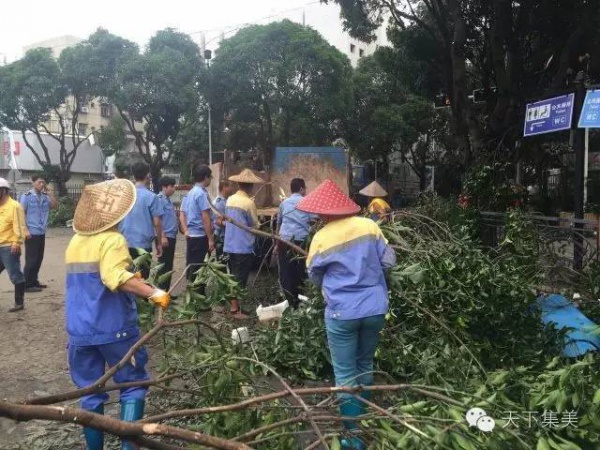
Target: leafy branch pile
{"points": [[461, 333], [461, 324]]}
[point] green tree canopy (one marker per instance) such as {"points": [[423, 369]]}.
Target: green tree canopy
{"points": [[521, 50], [157, 89], [37, 88], [279, 84]]}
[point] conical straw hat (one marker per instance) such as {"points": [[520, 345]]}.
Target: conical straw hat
{"points": [[103, 205], [373, 190], [328, 199], [246, 176]]}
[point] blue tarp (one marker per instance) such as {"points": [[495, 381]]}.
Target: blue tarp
{"points": [[582, 336]]}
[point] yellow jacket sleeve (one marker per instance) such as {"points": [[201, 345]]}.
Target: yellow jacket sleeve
{"points": [[19, 225], [115, 262]]}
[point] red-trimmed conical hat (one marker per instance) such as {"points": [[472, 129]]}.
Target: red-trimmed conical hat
{"points": [[328, 199]]}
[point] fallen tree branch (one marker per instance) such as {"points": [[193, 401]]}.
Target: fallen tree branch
{"points": [[260, 233], [302, 392], [296, 397], [100, 384], [107, 424]]}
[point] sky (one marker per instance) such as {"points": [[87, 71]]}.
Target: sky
{"points": [[24, 22]]}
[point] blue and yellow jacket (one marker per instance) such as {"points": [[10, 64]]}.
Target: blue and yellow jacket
{"points": [[241, 208], [347, 258], [96, 312]]}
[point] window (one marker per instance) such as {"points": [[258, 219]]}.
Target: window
{"points": [[352, 48], [83, 129], [84, 109], [106, 110], [361, 53]]}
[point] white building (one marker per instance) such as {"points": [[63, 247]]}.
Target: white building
{"points": [[56, 44]]}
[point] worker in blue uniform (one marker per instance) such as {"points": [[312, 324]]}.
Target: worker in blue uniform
{"points": [[170, 227], [347, 259], [143, 225], [293, 226], [37, 204], [101, 314]]}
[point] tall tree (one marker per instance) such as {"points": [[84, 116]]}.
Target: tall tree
{"points": [[154, 91], [37, 88], [519, 49], [279, 84], [389, 116]]}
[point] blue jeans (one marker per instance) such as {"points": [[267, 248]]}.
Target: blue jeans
{"points": [[88, 363], [352, 344], [12, 264]]}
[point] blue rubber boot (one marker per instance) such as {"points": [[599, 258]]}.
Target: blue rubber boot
{"points": [[131, 410], [94, 439], [352, 407]]}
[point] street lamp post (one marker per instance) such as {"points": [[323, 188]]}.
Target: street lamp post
{"points": [[207, 58]]}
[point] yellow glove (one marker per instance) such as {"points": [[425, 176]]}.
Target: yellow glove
{"points": [[138, 275], [160, 298]]}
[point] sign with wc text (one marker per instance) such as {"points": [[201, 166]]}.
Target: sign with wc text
{"points": [[590, 114], [550, 115]]}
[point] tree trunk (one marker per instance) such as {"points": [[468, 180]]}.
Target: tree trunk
{"points": [[155, 175]]}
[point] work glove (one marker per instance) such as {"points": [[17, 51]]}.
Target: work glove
{"points": [[138, 275], [160, 298]]}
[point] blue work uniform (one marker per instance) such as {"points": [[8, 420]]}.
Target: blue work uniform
{"points": [[138, 225], [37, 211], [239, 244], [194, 204], [168, 217], [347, 259], [241, 208], [219, 203], [101, 321], [294, 225]]}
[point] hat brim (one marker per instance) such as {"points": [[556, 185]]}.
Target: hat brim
{"points": [[373, 191], [344, 211], [253, 179]]}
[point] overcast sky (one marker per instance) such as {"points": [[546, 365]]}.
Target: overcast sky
{"points": [[24, 22]]}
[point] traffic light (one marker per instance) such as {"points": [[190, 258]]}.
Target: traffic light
{"points": [[479, 95]]}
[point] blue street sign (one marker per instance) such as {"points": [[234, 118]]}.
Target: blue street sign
{"points": [[550, 115], [590, 114]]}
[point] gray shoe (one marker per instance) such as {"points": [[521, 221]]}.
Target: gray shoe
{"points": [[16, 308]]}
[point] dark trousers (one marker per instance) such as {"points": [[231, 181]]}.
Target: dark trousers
{"points": [[197, 248], [145, 270], [240, 266], [292, 273], [166, 260], [34, 255]]}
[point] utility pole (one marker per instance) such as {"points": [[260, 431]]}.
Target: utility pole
{"points": [[207, 58], [579, 182]]}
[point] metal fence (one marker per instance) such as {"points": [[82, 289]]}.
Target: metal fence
{"points": [[568, 238]]}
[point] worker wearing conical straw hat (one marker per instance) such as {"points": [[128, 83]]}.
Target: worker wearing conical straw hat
{"points": [[239, 243], [378, 208], [347, 259], [101, 314]]}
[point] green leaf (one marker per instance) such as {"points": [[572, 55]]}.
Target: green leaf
{"points": [[335, 444], [596, 399]]}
